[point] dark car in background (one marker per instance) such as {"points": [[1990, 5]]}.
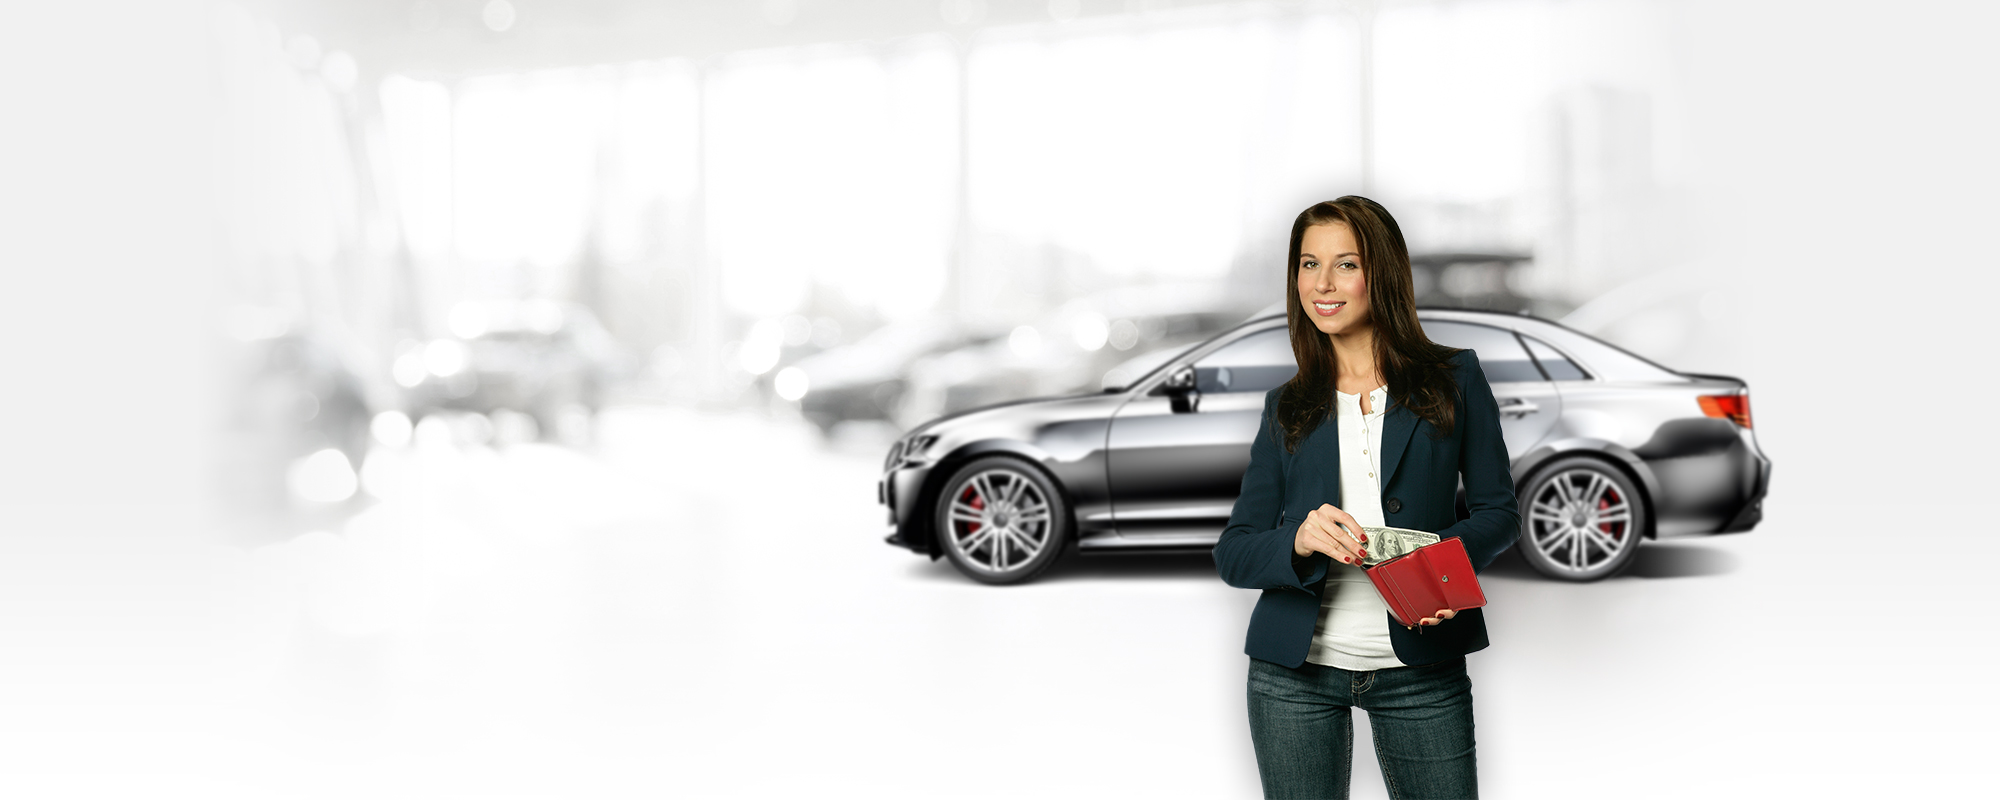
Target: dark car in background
{"points": [[911, 371], [1607, 449], [865, 380], [541, 358], [296, 425], [1068, 350]]}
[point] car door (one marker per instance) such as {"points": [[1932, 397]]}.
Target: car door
{"points": [[1529, 403], [1174, 475]]}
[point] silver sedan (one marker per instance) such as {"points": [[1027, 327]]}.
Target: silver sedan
{"points": [[1608, 449]]}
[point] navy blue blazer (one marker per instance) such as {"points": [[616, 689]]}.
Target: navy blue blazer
{"points": [[1419, 490]]}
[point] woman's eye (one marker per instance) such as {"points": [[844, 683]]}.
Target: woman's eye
{"points": [[1348, 265], [1309, 264]]}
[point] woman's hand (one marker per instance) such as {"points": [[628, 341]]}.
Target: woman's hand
{"points": [[1443, 614], [1322, 533]]}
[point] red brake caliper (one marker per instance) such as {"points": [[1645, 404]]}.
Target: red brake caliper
{"points": [[1610, 498], [976, 502]]}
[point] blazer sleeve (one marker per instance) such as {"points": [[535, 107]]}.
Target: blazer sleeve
{"points": [[1494, 522], [1252, 554]]}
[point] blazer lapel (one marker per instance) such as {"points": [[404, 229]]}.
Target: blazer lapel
{"points": [[1397, 426]]}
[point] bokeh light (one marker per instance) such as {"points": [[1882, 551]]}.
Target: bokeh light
{"points": [[323, 477], [1025, 341], [391, 428], [498, 15], [1090, 331], [445, 357], [790, 383]]}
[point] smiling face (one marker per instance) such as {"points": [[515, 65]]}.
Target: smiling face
{"points": [[1332, 288]]}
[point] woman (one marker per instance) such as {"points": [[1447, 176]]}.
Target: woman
{"points": [[1403, 418]]}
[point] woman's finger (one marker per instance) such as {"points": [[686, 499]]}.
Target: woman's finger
{"points": [[1320, 540], [1343, 546], [1446, 613], [1332, 547], [1320, 521], [1321, 527], [1353, 527], [1348, 527], [1350, 536]]}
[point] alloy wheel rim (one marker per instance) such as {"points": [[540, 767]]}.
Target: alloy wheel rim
{"points": [[999, 521], [1580, 520]]}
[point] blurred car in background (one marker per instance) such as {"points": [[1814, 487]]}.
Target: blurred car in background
{"points": [[1069, 350], [865, 380], [1471, 279], [297, 425], [1607, 449], [541, 358]]}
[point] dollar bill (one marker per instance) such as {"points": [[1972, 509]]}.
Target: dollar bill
{"points": [[1387, 543]]}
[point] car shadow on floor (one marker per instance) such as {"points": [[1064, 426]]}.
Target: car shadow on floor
{"points": [[1133, 566], [1110, 567], [1681, 561], [1654, 560]]}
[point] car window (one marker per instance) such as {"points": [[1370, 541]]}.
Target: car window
{"points": [[1557, 365], [1602, 360], [1254, 363], [1500, 354], [1138, 368]]}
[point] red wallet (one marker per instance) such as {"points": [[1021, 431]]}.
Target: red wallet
{"points": [[1418, 583]]}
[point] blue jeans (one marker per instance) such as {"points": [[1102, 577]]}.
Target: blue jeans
{"points": [[1301, 722]]}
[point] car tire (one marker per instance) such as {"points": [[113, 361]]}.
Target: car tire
{"points": [[1581, 519], [1001, 521]]}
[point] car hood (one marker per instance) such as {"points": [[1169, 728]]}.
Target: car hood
{"points": [[982, 413]]}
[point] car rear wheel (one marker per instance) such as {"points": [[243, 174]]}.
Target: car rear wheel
{"points": [[1001, 521], [1583, 520]]}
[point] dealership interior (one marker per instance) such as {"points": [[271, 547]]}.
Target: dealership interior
{"points": [[552, 355]]}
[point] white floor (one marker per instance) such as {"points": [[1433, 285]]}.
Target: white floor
{"points": [[702, 606]]}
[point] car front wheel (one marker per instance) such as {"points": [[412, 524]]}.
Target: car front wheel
{"points": [[1001, 521], [1583, 520]]}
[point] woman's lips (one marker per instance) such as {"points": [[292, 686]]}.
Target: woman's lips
{"points": [[1324, 311]]}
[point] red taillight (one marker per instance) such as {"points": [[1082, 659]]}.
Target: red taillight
{"points": [[1734, 407]]}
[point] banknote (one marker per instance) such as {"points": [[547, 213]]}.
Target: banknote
{"points": [[1387, 543]]}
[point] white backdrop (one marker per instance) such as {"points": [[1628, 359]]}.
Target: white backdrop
{"points": [[1840, 181]]}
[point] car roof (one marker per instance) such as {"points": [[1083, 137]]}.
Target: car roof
{"points": [[1595, 355]]}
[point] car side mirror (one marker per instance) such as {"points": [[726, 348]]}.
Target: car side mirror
{"points": [[1181, 392]]}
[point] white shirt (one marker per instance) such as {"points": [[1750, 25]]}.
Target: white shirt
{"points": [[1353, 628]]}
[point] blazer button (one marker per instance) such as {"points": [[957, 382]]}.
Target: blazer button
{"points": [[1392, 505]]}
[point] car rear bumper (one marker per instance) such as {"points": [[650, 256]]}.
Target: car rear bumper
{"points": [[1752, 511]]}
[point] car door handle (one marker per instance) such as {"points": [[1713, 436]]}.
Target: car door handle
{"points": [[1519, 407]]}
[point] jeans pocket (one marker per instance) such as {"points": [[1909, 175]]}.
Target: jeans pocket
{"points": [[1273, 677]]}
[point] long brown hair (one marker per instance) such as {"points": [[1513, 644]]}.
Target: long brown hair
{"points": [[1416, 369]]}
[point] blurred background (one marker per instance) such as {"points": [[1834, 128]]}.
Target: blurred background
{"points": [[506, 217], [481, 397]]}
